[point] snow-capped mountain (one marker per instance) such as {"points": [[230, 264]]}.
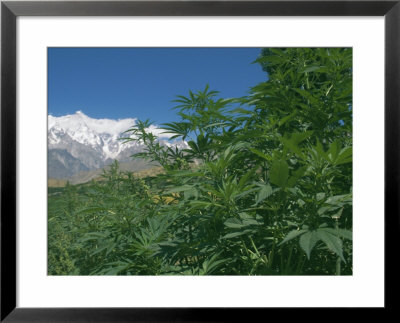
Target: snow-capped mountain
{"points": [[77, 143]]}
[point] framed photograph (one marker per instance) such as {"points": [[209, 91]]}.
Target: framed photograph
{"points": [[179, 160]]}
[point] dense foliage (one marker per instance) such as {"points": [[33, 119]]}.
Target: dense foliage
{"points": [[264, 187]]}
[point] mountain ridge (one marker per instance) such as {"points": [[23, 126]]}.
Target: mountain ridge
{"points": [[78, 143]]}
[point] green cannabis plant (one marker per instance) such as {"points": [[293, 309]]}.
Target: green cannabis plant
{"points": [[264, 186]]}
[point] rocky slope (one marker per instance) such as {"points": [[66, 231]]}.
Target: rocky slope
{"points": [[78, 143]]}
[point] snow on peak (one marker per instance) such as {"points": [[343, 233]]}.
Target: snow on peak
{"points": [[100, 134], [80, 121]]}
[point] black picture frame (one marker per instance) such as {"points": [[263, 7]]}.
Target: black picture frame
{"points": [[10, 10]]}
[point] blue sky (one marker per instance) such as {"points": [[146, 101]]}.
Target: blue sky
{"points": [[140, 83]]}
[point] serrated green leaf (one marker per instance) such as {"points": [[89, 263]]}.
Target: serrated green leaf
{"points": [[299, 137], [245, 178], [247, 222], [345, 156], [287, 118], [291, 235], [259, 153], [296, 175], [314, 68], [279, 173], [211, 264], [235, 234], [98, 250], [346, 234], [263, 193], [333, 151], [233, 223], [332, 242], [307, 242]]}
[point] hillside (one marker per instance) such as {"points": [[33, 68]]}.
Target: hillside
{"points": [[140, 167], [79, 146]]}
